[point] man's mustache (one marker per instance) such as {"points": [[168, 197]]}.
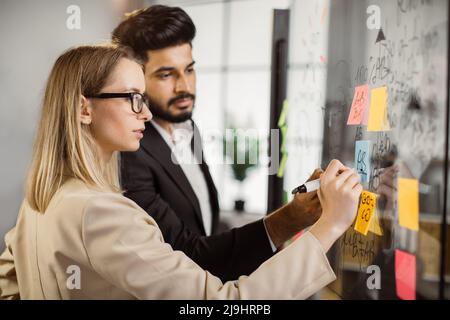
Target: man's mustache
{"points": [[181, 96]]}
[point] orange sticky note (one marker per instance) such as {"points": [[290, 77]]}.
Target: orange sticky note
{"points": [[374, 226], [408, 203], [366, 211], [359, 104], [378, 120], [405, 275]]}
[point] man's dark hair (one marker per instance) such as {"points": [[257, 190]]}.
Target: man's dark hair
{"points": [[153, 28]]}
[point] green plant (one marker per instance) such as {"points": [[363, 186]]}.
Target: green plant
{"points": [[242, 150]]}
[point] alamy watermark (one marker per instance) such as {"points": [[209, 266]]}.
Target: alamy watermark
{"points": [[231, 146], [73, 21], [373, 282], [373, 21], [73, 281]]}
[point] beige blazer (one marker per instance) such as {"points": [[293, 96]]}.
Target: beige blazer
{"points": [[96, 245]]}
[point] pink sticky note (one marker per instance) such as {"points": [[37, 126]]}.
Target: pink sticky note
{"points": [[405, 275], [359, 104]]}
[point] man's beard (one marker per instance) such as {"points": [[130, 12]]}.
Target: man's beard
{"points": [[160, 112]]}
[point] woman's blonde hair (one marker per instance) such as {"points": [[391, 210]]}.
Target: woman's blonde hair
{"points": [[64, 147]]}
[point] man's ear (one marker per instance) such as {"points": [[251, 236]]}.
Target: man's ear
{"points": [[85, 111]]}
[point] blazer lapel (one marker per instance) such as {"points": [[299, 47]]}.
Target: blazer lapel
{"points": [[197, 151], [156, 147]]}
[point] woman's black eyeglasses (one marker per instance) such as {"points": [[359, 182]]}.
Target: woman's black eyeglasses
{"points": [[137, 99]]}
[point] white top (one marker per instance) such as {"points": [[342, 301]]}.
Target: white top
{"points": [[180, 145]]}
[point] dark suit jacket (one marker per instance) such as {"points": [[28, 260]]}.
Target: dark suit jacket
{"points": [[160, 187]]}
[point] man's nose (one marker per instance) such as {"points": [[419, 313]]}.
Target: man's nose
{"points": [[182, 85]]}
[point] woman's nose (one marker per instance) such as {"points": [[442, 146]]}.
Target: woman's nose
{"points": [[145, 114]]}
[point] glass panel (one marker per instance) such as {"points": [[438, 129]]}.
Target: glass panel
{"points": [[411, 62]]}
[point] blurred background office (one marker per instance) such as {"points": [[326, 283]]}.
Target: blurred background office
{"points": [[232, 50]]}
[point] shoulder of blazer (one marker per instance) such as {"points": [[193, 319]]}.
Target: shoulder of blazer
{"points": [[65, 215], [74, 195]]}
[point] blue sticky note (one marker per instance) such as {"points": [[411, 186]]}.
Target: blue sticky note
{"points": [[362, 159]]}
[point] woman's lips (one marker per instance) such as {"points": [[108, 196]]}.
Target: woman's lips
{"points": [[139, 133]]}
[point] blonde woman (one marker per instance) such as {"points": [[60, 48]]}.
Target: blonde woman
{"points": [[77, 237]]}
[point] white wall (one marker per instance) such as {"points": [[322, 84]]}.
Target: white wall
{"points": [[33, 35]]}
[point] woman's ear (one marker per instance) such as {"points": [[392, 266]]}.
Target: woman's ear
{"points": [[85, 111]]}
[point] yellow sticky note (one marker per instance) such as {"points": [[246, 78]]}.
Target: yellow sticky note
{"points": [[378, 120], [374, 226], [366, 211], [408, 203]]}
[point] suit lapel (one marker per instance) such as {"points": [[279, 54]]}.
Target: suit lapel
{"points": [[154, 145], [197, 150]]}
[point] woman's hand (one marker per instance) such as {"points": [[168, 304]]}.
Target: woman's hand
{"points": [[339, 196]]}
